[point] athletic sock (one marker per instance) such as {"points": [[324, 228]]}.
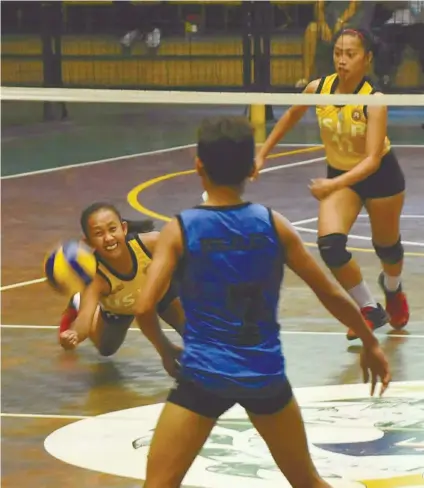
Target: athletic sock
{"points": [[362, 295]]}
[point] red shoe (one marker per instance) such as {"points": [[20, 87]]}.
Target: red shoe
{"points": [[375, 317], [396, 305]]}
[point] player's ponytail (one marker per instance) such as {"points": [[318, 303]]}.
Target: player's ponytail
{"points": [[140, 226]]}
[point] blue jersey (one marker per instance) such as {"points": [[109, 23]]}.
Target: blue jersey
{"points": [[231, 273]]}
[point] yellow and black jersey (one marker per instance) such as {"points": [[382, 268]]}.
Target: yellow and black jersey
{"points": [[344, 129], [124, 289]]}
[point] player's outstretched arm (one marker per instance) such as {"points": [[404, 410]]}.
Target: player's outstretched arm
{"points": [[288, 120], [334, 298], [90, 297], [173, 315], [166, 256]]}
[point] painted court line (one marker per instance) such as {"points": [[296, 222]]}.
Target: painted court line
{"points": [[22, 283], [42, 280], [98, 161], [283, 332], [44, 416], [292, 165], [362, 238], [121, 419], [159, 151]]}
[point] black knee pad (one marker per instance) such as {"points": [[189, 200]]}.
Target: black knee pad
{"points": [[391, 254], [332, 248]]}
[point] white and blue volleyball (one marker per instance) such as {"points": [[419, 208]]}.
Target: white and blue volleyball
{"points": [[70, 267]]}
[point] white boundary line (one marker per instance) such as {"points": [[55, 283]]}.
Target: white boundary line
{"points": [[283, 332], [98, 161], [22, 283], [273, 168], [361, 238], [292, 165], [406, 216], [158, 151], [266, 170]]}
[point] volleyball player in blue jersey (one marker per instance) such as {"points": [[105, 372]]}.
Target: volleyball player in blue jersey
{"points": [[230, 257]]}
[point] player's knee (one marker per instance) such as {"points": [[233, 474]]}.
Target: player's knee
{"points": [[107, 349], [332, 249], [390, 254]]}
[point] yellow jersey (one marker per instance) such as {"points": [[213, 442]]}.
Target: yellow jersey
{"points": [[124, 289], [344, 129]]}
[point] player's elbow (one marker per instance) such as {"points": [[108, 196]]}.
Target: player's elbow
{"points": [[374, 161], [372, 164], [144, 307]]}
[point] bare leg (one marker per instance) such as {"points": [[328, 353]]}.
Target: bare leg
{"points": [[384, 216], [337, 214], [179, 436], [285, 436], [385, 227]]}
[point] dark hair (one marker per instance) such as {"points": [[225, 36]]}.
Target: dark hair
{"points": [[365, 37], [226, 147], [134, 226]]}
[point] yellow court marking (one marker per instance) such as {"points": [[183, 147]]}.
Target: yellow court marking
{"points": [[396, 482], [133, 195], [295, 151], [133, 198]]}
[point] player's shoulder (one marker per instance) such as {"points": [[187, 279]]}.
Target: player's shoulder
{"points": [[312, 86], [147, 240], [317, 85], [148, 236], [282, 225]]}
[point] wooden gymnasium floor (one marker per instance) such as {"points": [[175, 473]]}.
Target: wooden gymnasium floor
{"points": [[57, 425]]}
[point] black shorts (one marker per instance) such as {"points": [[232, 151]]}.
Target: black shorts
{"points": [[208, 404], [387, 181]]}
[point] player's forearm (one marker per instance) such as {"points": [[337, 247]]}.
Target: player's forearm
{"points": [[151, 329], [359, 173], [81, 326], [287, 122], [340, 305]]}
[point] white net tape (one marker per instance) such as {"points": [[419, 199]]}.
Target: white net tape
{"points": [[201, 98]]}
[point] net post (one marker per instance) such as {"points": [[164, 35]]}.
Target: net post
{"points": [[257, 115]]}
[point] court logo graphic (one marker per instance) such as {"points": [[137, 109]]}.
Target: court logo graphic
{"points": [[355, 441]]}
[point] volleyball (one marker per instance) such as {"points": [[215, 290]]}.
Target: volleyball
{"points": [[70, 267]]}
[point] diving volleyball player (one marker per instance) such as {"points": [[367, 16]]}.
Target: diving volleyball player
{"points": [[229, 256], [105, 309], [362, 170]]}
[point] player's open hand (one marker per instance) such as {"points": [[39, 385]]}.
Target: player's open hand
{"points": [[259, 164], [171, 360], [374, 363]]}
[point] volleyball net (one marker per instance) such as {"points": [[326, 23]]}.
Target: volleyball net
{"points": [[69, 126]]}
